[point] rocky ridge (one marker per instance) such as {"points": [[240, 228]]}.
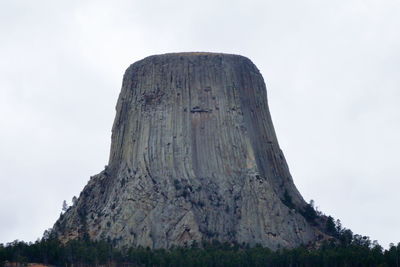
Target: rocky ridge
{"points": [[194, 157]]}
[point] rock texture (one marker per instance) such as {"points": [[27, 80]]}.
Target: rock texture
{"points": [[194, 157]]}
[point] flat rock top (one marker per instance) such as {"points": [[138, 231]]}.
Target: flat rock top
{"points": [[193, 57], [194, 54]]}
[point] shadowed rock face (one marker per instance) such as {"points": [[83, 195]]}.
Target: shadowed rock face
{"points": [[194, 157]]}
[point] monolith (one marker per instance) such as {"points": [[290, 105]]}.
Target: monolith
{"points": [[194, 158]]}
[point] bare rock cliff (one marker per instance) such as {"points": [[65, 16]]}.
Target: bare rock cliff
{"points": [[194, 157]]}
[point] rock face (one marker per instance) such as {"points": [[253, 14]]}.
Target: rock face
{"points": [[194, 157]]}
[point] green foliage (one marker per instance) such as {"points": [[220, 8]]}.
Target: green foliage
{"points": [[309, 213], [287, 200], [359, 252], [330, 227]]}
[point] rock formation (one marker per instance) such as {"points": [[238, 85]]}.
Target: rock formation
{"points": [[194, 157]]}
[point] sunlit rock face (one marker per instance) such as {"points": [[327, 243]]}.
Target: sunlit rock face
{"points": [[194, 157]]}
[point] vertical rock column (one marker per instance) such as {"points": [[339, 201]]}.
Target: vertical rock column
{"points": [[194, 157]]}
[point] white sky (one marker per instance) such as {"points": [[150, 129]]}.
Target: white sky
{"points": [[331, 68]]}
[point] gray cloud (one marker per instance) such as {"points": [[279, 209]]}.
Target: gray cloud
{"points": [[331, 69]]}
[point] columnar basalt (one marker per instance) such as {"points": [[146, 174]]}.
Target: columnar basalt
{"points": [[194, 157]]}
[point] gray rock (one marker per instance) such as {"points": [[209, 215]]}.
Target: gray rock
{"points": [[194, 157]]}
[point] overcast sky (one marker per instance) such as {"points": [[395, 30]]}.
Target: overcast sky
{"points": [[332, 70]]}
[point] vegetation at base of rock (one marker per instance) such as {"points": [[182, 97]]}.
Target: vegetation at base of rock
{"points": [[351, 250]]}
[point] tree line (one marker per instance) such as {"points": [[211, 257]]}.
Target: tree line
{"points": [[344, 249], [350, 250]]}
